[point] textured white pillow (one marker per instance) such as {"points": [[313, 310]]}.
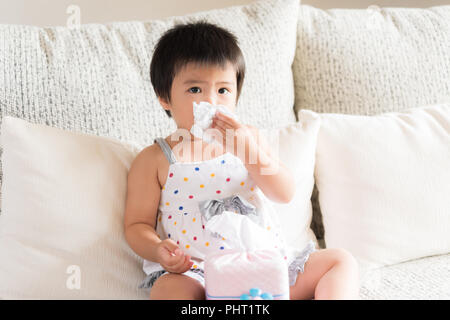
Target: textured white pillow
{"points": [[96, 79], [63, 203], [368, 61], [383, 183], [62, 211]]}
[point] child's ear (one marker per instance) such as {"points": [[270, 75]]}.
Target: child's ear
{"points": [[164, 103]]}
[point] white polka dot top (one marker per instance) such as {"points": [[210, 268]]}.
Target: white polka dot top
{"points": [[190, 185]]}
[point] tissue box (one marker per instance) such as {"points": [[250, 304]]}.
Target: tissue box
{"points": [[246, 275]]}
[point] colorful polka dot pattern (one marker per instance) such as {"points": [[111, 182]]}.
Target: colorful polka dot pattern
{"points": [[187, 184]]}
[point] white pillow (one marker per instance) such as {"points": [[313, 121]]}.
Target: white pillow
{"points": [[62, 211], [296, 145], [383, 183], [63, 202]]}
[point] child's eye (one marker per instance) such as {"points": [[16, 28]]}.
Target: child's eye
{"points": [[223, 89], [194, 88]]}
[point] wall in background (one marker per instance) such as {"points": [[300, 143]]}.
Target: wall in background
{"points": [[54, 12]]}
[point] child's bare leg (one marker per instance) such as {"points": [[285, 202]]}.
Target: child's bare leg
{"points": [[328, 274], [173, 286]]}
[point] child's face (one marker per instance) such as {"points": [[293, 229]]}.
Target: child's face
{"points": [[195, 83]]}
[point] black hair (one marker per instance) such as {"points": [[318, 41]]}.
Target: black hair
{"points": [[200, 42]]}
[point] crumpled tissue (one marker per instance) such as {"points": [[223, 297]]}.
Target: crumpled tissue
{"points": [[241, 231], [203, 115]]}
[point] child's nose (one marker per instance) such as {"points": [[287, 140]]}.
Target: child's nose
{"points": [[211, 100], [210, 97]]}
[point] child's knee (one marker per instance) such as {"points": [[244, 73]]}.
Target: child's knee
{"points": [[345, 258]]}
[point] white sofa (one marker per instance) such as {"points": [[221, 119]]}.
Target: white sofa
{"points": [[95, 80]]}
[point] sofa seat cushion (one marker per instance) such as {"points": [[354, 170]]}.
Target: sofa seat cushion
{"points": [[425, 278]]}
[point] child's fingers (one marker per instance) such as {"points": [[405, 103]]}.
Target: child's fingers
{"points": [[171, 261], [220, 125], [177, 267], [173, 258], [187, 266], [227, 119]]}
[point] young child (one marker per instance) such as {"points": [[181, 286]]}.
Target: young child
{"points": [[165, 220]]}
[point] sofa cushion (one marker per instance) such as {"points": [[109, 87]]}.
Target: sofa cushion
{"points": [[420, 279], [369, 61], [383, 183], [95, 78], [61, 229]]}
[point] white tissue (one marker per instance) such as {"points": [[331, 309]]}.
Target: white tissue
{"points": [[240, 231], [203, 115]]}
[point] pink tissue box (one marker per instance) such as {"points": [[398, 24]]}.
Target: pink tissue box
{"points": [[246, 275]]}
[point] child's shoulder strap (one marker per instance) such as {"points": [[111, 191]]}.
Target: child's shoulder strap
{"points": [[166, 149]]}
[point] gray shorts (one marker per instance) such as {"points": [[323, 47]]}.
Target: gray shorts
{"points": [[296, 266], [197, 274]]}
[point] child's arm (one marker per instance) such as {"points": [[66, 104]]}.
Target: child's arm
{"points": [[269, 173], [143, 195]]}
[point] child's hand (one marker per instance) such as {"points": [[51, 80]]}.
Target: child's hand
{"points": [[240, 134], [172, 258]]}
